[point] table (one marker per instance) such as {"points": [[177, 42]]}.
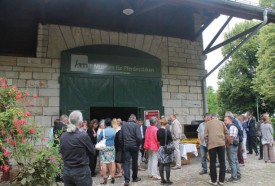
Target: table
{"points": [[186, 148]]}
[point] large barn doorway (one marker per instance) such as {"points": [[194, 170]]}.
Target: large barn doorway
{"points": [[112, 112], [109, 81]]}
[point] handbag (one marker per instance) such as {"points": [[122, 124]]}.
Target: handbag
{"points": [[102, 143], [169, 148]]}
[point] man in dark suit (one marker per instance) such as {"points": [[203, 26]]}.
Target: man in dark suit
{"points": [[142, 150], [251, 134]]}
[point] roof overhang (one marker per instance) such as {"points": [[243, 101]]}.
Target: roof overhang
{"points": [[173, 18]]}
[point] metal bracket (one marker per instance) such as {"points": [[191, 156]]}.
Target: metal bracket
{"points": [[208, 49], [204, 26]]}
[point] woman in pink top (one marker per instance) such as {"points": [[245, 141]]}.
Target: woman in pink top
{"points": [[151, 144]]}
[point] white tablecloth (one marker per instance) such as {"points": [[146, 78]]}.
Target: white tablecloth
{"points": [[188, 147]]}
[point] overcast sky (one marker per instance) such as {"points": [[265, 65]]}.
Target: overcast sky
{"points": [[214, 57]]}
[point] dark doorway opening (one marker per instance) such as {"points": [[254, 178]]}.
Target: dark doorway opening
{"points": [[112, 112]]}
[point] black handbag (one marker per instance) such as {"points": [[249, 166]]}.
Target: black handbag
{"points": [[168, 148]]}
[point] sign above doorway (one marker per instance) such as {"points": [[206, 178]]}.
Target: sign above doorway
{"points": [[117, 65]]}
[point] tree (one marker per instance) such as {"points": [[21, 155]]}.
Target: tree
{"points": [[264, 81], [235, 78], [267, 3], [212, 100]]}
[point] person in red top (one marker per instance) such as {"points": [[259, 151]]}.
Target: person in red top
{"points": [[151, 144]]}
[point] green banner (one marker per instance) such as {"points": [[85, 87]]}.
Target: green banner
{"points": [[111, 65]]}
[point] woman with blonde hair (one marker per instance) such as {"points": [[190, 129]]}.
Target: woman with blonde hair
{"points": [[114, 124], [267, 139], [107, 155]]}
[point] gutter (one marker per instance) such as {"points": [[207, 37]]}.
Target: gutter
{"points": [[265, 19], [235, 8], [242, 4]]}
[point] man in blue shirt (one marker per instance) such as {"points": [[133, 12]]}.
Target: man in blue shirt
{"points": [[203, 148]]}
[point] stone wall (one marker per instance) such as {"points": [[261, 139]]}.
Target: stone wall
{"points": [[182, 65]]}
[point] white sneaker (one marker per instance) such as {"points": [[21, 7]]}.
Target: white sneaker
{"points": [[212, 183], [156, 177]]}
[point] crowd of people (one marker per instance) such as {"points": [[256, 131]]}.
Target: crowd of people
{"points": [[126, 143], [232, 139], [132, 142]]}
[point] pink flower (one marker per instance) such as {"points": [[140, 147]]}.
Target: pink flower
{"points": [[26, 93], [2, 132], [18, 96], [12, 143], [28, 114], [6, 153], [35, 96], [20, 131], [16, 122], [32, 130], [43, 139], [23, 122], [6, 168], [52, 159], [14, 88], [31, 104], [4, 85], [23, 140]]}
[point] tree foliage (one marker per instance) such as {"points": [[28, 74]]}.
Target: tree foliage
{"points": [[264, 81], [212, 100], [235, 78], [267, 3]]}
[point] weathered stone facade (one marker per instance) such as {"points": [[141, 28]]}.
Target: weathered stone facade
{"points": [[182, 65]]}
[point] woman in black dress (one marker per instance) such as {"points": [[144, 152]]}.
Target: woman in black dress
{"points": [[119, 151], [92, 132], [164, 160]]}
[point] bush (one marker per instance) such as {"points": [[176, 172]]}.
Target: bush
{"points": [[18, 136]]}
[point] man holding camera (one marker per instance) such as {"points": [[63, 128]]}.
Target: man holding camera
{"points": [[232, 150]]}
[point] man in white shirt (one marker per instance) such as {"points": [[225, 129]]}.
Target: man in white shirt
{"points": [[176, 131]]}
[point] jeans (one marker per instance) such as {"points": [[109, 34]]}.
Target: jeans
{"points": [[152, 163], [213, 158], [130, 152], [177, 152], [232, 152], [80, 176], [203, 151]]}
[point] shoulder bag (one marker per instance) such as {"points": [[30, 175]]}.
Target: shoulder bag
{"points": [[102, 143], [168, 148]]}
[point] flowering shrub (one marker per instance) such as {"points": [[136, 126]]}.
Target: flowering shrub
{"points": [[18, 136]]}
